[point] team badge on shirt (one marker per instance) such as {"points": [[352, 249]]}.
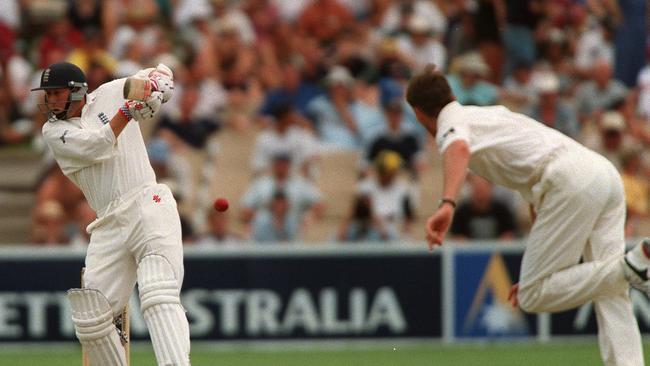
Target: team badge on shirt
{"points": [[102, 118], [449, 132], [63, 136]]}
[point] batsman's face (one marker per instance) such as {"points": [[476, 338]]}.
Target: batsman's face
{"points": [[56, 99]]}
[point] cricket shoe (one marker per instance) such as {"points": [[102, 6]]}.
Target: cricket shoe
{"points": [[635, 266]]}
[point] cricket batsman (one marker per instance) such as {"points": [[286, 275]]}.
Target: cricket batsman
{"points": [[96, 140], [577, 197]]}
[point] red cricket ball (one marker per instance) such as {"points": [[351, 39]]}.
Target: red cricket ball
{"points": [[221, 204]]}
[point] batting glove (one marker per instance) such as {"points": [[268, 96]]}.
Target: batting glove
{"points": [[142, 111], [162, 80]]}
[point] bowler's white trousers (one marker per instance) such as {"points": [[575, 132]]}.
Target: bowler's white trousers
{"points": [[580, 206], [143, 221]]}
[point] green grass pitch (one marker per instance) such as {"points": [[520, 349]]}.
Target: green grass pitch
{"points": [[415, 355]]}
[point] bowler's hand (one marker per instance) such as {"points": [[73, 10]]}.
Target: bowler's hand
{"points": [[512, 295], [438, 225]]}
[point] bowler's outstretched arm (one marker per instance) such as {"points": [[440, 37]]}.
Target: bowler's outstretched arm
{"points": [[455, 162]]}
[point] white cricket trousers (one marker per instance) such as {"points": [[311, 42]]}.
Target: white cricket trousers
{"points": [[580, 206], [144, 221]]}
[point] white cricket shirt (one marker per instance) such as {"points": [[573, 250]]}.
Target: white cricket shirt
{"points": [[103, 167], [507, 148]]}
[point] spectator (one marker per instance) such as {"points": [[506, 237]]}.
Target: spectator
{"points": [[278, 206], [468, 85], [630, 40], [219, 232], [54, 186], [361, 224], [84, 216], [359, 8], [612, 140], [393, 200], [173, 170], [237, 70], [187, 129], [275, 225], [489, 18], [135, 41], [599, 93], [481, 216], [396, 139], [519, 87], [594, 46], [461, 37], [225, 13], [137, 21], [420, 48], [643, 89], [62, 37], [522, 17], [393, 71], [265, 18], [295, 90], [556, 57], [92, 54], [289, 11], [87, 15], [550, 108], [333, 114], [368, 113], [204, 75], [399, 14], [324, 20], [637, 190], [10, 14], [285, 136], [133, 59], [14, 129], [186, 11], [49, 224]]}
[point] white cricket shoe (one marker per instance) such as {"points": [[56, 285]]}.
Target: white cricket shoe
{"points": [[635, 266]]}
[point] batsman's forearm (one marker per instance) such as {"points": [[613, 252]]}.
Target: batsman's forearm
{"points": [[118, 123], [455, 161]]}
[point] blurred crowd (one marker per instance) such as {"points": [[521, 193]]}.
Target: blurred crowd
{"points": [[316, 77]]}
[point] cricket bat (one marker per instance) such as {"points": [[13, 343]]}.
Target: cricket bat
{"points": [[137, 89]]}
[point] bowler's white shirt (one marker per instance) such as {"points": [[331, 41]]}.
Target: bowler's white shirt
{"points": [[103, 167], [507, 148]]}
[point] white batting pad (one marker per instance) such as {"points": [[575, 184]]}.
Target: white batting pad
{"points": [[93, 321], [162, 311]]}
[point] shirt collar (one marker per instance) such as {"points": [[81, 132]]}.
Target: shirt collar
{"points": [[90, 98], [448, 108]]}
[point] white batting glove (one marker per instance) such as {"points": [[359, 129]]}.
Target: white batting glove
{"points": [[142, 111], [162, 80]]}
